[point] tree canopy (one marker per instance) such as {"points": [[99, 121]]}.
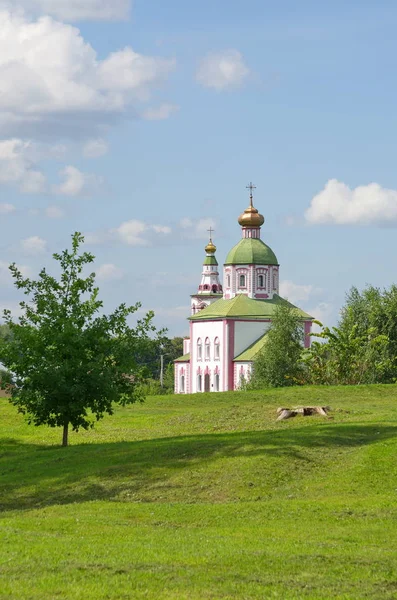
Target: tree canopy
{"points": [[70, 363]]}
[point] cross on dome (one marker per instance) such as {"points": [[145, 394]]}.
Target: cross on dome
{"points": [[251, 187]]}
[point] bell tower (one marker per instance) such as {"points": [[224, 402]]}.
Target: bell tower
{"points": [[210, 288]]}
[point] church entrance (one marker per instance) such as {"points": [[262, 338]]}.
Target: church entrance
{"points": [[206, 383]]}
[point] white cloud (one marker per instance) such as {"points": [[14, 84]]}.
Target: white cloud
{"points": [[52, 82], [323, 312], [364, 205], [95, 148], [17, 166], [295, 292], [222, 70], [197, 228], [109, 272], [130, 232], [6, 209], [80, 10], [159, 113], [76, 183], [34, 245], [54, 212], [162, 229]]}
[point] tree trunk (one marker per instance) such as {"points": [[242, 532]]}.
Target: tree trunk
{"points": [[65, 434]]}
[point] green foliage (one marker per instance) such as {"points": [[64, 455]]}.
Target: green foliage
{"points": [[70, 363], [347, 357], [373, 310], [278, 364], [205, 496]]}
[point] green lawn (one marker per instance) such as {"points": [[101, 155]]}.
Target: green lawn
{"points": [[205, 497]]}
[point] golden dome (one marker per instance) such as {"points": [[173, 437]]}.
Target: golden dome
{"points": [[251, 217], [210, 247]]}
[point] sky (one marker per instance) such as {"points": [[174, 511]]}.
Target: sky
{"points": [[140, 122]]}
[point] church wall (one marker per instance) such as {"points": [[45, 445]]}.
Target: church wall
{"points": [[246, 333], [211, 366], [182, 386], [242, 373]]}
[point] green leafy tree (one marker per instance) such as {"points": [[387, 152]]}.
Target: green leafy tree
{"points": [[279, 362], [347, 356], [70, 364], [374, 310]]}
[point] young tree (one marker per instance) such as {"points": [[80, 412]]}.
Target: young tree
{"points": [[70, 363], [278, 364]]}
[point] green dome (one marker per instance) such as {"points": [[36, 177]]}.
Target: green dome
{"points": [[251, 251]]}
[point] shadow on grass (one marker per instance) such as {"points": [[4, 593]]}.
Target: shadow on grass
{"points": [[34, 476]]}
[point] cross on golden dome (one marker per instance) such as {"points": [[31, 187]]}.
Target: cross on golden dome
{"points": [[210, 247], [251, 216]]}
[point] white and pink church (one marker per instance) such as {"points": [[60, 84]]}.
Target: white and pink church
{"points": [[229, 323]]}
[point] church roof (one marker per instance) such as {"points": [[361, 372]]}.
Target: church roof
{"points": [[210, 260], [251, 251], [242, 307], [184, 358], [249, 353]]}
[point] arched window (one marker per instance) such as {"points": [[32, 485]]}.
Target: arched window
{"points": [[199, 383], [207, 348], [242, 281], [199, 349], [182, 384], [275, 280], [228, 281], [260, 281], [217, 348], [216, 382]]}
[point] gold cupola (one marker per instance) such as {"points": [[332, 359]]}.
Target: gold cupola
{"points": [[210, 247], [251, 217]]}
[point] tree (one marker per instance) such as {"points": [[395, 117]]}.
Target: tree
{"points": [[373, 310], [278, 364], [70, 363], [347, 357]]}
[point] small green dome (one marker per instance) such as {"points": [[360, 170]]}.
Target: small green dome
{"points": [[251, 251]]}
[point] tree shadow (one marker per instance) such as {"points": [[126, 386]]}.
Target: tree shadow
{"points": [[35, 476]]}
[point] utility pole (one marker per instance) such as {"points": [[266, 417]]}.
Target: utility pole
{"points": [[161, 369]]}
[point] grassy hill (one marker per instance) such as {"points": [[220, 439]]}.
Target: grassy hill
{"points": [[205, 497]]}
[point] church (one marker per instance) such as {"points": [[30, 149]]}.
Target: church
{"points": [[228, 324]]}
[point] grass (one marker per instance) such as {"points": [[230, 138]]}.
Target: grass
{"points": [[205, 497]]}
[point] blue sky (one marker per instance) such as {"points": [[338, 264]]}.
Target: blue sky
{"points": [[140, 124]]}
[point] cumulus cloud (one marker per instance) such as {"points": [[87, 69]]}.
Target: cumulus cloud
{"points": [[222, 70], [197, 228], [77, 183], [95, 148], [160, 113], [109, 272], [54, 212], [6, 209], [132, 233], [80, 10], [53, 84], [34, 245], [295, 292], [338, 204], [17, 166]]}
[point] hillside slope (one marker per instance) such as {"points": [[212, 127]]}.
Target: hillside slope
{"points": [[205, 496]]}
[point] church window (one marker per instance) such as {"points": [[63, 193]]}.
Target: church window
{"points": [[260, 281], [207, 348], [242, 281], [228, 281], [217, 348], [182, 384], [275, 280], [199, 349], [199, 383], [216, 382]]}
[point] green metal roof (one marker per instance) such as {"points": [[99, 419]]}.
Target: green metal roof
{"points": [[249, 353], [184, 358], [243, 307], [251, 251], [210, 260]]}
